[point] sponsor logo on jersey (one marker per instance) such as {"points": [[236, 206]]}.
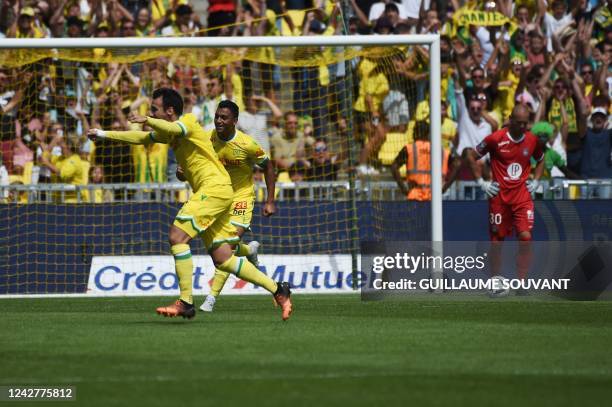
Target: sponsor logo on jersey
{"points": [[227, 162], [503, 143], [240, 208], [515, 171]]}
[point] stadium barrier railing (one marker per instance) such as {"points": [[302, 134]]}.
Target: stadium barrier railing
{"points": [[289, 191]]}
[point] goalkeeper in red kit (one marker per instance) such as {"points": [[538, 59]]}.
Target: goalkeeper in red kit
{"points": [[510, 204]]}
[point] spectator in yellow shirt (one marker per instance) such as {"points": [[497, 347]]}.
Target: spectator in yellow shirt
{"points": [[24, 27], [373, 87], [67, 168]]}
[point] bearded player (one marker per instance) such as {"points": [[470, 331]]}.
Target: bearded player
{"points": [[238, 152], [510, 203]]}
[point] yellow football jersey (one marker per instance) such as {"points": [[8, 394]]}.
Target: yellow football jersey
{"points": [[192, 147], [238, 155], [195, 154], [71, 172]]}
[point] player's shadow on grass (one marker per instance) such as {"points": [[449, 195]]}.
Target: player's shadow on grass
{"points": [[196, 321]]}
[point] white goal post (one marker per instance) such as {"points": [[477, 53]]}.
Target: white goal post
{"points": [[433, 41]]}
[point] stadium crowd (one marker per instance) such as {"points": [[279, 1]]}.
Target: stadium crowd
{"points": [[553, 56]]}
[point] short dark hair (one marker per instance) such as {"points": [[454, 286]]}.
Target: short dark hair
{"points": [[478, 68], [421, 130], [72, 20], [559, 3], [534, 73], [601, 46], [183, 10], [391, 7], [170, 98], [228, 104]]}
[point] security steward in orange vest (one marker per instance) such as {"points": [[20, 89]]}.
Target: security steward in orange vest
{"points": [[417, 158]]}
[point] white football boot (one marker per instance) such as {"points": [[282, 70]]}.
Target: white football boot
{"points": [[209, 304], [252, 258]]}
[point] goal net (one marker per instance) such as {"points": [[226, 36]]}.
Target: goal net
{"points": [[82, 218]]}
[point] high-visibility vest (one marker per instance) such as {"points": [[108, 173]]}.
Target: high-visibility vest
{"points": [[418, 169]]}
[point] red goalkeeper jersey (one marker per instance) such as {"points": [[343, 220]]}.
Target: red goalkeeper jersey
{"points": [[510, 162]]}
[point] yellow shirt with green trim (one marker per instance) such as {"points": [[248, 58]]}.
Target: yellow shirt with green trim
{"points": [[192, 148], [195, 154], [238, 155]]}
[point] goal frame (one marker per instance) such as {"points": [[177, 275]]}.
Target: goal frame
{"points": [[431, 40]]}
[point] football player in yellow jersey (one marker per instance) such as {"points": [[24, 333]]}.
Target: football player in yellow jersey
{"points": [[207, 211], [238, 152]]}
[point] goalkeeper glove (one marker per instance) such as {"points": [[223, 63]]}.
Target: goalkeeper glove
{"points": [[532, 185], [489, 188]]}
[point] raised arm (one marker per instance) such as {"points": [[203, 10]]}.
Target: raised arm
{"points": [[543, 95], [601, 76], [122, 11], [505, 7], [541, 12], [360, 14], [133, 78], [276, 112], [549, 69], [228, 87], [564, 126], [490, 119], [58, 17], [579, 95]]}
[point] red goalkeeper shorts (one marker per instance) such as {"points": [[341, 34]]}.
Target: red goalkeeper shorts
{"points": [[504, 216]]}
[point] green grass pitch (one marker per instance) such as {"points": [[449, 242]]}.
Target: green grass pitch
{"points": [[336, 350]]}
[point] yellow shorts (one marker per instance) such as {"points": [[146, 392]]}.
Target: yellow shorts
{"points": [[207, 214], [241, 211]]}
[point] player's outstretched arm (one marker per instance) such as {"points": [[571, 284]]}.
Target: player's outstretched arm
{"points": [[166, 129], [129, 137]]}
